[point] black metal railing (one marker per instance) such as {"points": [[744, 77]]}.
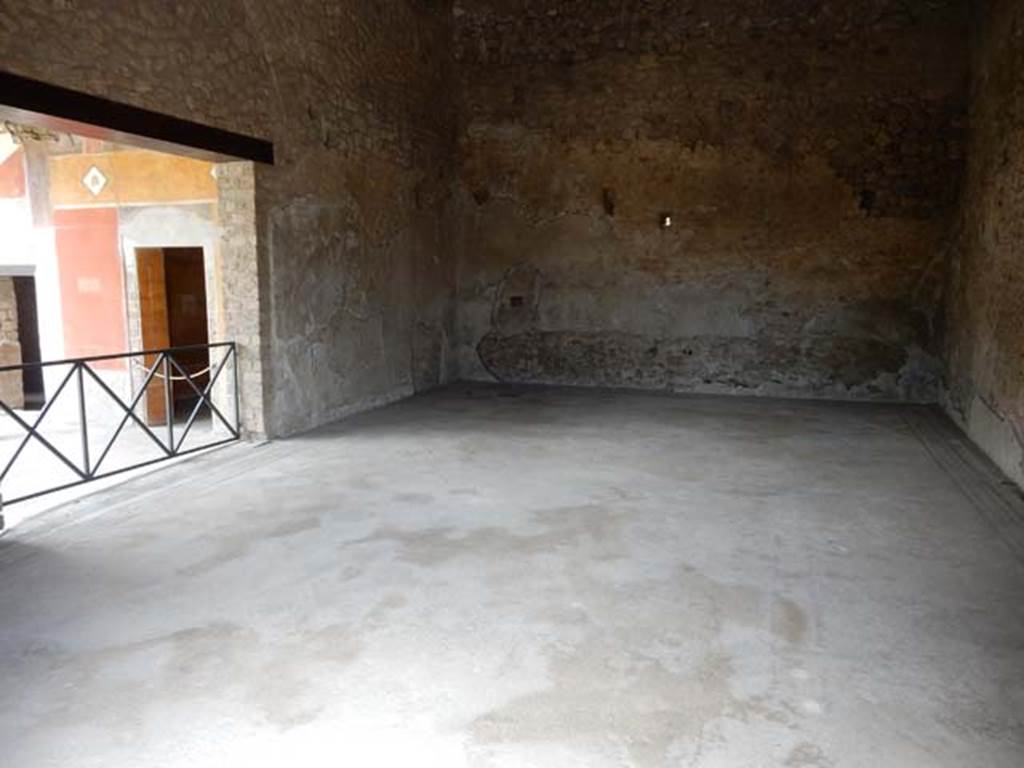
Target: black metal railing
{"points": [[167, 367]]}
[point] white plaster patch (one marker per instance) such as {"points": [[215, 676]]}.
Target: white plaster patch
{"points": [[94, 180], [89, 285]]}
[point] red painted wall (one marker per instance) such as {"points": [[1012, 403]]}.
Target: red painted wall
{"points": [[12, 176], [91, 283]]}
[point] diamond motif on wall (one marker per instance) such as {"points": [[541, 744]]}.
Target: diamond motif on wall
{"points": [[94, 180]]}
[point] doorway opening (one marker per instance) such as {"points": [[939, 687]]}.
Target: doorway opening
{"points": [[112, 251], [172, 313], [34, 395], [87, 187]]}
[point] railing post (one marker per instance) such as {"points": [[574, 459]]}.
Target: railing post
{"points": [[233, 349], [169, 404], [81, 415]]}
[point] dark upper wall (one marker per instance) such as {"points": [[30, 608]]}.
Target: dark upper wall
{"points": [[810, 155], [355, 281], [985, 345]]}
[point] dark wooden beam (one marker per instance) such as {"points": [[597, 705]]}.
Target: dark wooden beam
{"points": [[41, 105]]}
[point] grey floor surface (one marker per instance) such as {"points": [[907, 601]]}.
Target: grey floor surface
{"points": [[487, 576]]}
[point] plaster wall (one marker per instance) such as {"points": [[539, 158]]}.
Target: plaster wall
{"points": [[985, 343]]}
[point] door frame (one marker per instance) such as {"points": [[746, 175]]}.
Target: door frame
{"points": [[133, 308]]}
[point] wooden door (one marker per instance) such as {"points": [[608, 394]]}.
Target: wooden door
{"points": [[149, 264]]}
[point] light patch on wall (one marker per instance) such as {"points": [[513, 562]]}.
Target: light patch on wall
{"points": [[8, 146], [89, 285]]}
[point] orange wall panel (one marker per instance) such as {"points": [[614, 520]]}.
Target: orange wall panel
{"points": [[135, 176], [91, 283]]}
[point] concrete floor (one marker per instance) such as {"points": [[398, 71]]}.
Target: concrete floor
{"points": [[493, 577]]}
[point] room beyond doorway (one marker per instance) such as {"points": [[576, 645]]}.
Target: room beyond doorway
{"points": [[113, 251]]}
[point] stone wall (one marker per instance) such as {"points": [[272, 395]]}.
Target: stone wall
{"points": [[809, 156], [985, 347], [353, 281], [354, 215], [11, 389], [235, 291]]}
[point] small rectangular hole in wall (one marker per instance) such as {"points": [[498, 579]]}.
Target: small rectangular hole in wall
{"points": [[608, 201], [515, 301]]}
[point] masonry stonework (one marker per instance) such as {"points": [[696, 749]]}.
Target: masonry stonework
{"points": [[808, 155], [985, 348], [11, 389], [236, 291], [353, 218]]}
